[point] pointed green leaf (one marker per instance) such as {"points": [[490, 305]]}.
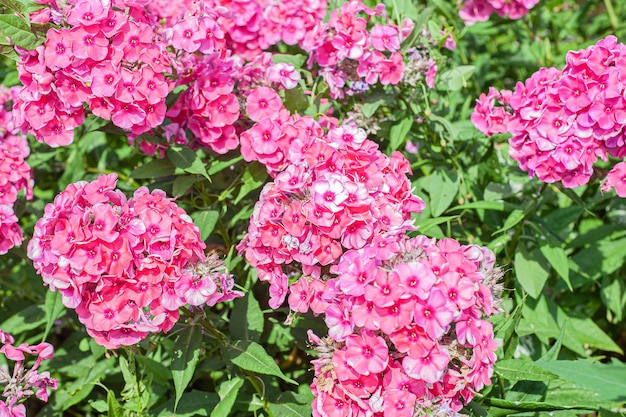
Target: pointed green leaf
{"points": [[295, 100], [442, 189], [154, 169], [54, 310], [398, 133], [185, 356], [217, 166], [290, 404], [531, 270], [246, 320], [456, 78], [187, 160], [484, 205], [529, 405], [115, 409], [553, 353], [205, 220], [520, 370], [514, 218], [182, 183], [555, 254], [16, 29], [228, 394], [253, 177], [608, 380], [252, 357]]}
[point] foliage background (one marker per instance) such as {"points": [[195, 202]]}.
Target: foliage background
{"points": [[564, 331]]}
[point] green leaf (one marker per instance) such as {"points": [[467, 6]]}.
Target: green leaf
{"points": [[456, 78], [16, 6], [588, 333], [398, 133], [246, 320], [553, 353], [602, 258], [9, 52], [529, 405], [217, 166], [115, 409], [251, 356], [185, 356], [296, 59], [514, 218], [368, 109], [609, 413], [187, 160], [205, 220], [295, 100], [253, 177], [555, 254], [424, 225], [289, 404], [613, 291], [484, 205], [182, 183], [531, 270], [18, 31], [607, 380], [154, 169], [193, 403], [442, 189], [54, 310], [228, 394], [445, 123], [27, 319], [504, 328], [521, 370]]}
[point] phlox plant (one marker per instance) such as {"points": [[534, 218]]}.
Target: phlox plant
{"points": [[237, 208]]}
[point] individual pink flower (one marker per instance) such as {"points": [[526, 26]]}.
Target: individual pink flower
{"points": [[616, 179], [263, 102]]}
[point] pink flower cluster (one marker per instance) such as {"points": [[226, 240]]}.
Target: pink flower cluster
{"points": [[111, 60], [479, 10], [125, 266], [213, 79], [331, 191], [563, 121], [251, 27], [406, 329], [255, 26], [15, 174], [22, 382], [353, 57]]}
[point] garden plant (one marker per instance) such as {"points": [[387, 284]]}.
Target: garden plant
{"points": [[318, 208]]}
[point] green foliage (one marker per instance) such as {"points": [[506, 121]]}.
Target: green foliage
{"points": [[563, 328]]}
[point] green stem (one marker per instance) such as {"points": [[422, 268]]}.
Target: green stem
{"points": [[223, 340], [611, 12]]}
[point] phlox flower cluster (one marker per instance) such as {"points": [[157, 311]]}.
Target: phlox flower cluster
{"points": [[332, 191], [251, 27], [125, 266], [104, 54], [352, 56], [407, 333], [563, 121], [15, 174], [210, 108], [473, 11], [23, 382], [255, 26], [212, 78]]}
